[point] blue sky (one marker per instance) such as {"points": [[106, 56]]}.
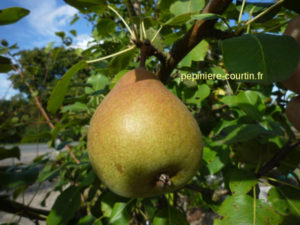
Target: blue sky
{"points": [[38, 29]]}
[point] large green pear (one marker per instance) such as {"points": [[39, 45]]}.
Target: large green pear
{"points": [[142, 140]]}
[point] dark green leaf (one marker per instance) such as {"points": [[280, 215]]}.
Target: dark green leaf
{"points": [[65, 206], [12, 15], [87, 5], [241, 182], [13, 152], [87, 220], [105, 27], [5, 64], [48, 173], [60, 90], [120, 62], [276, 57], [168, 216], [26, 176]]}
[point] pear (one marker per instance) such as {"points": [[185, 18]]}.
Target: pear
{"points": [[293, 29], [142, 140], [293, 112]]}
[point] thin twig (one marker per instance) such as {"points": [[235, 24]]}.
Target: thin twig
{"points": [[39, 105]]}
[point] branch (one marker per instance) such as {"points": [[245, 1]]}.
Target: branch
{"points": [[14, 207], [149, 50], [277, 158], [200, 30], [39, 105]]}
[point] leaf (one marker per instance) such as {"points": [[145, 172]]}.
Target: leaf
{"points": [[76, 107], [13, 152], [249, 101], [278, 201], [5, 64], [198, 53], [238, 210], [240, 133], [292, 196], [120, 214], [169, 216], [183, 7], [276, 57], [98, 82], [48, 173], [87, 220], [196, 97], [292, 5], [120, 62], [65, 206], [178, 20], [26, 176], [205, 16], [158, 42], [60, 90], [213, 161], [73, 32], [105, 27], [241, 182], [12, 15], [108, 199], [87, 5]]}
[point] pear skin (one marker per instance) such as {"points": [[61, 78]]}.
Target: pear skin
{"points": [[142, 140], [293, 29], [293, 112]]}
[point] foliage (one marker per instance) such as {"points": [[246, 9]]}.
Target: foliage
{"points": [[243, 122]]}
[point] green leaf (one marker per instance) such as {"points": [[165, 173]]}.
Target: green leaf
{"points": [[60, 90], [87, 5], [12, 15], [105, 27], [183, 7], [120, 62], [26, 176], [213, 161], [249, 101], [87, 220], [13, 152], [98, 82], [240, 133], [108, 199], [120, 214], [168, 216], [238, 210], [292, 197], [76, 107], [198, 53], [65, 207], [5, 64], [73, 32], [48, 173], [158, 42], [205, 16], [278, 201], [196, 97], [241, 181], [178, 20], [276, 57]]}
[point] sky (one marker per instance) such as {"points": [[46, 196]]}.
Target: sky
{"points": [[38, 29]]}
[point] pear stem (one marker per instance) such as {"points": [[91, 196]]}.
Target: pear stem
{"points": [[145, 52], [163, 181]]}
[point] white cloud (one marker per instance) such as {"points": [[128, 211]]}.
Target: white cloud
{"points": [[82, 41], [46, 17], [6, 89]]}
